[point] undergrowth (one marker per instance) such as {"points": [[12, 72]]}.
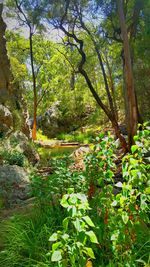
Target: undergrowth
{"points": [[102, 222]]}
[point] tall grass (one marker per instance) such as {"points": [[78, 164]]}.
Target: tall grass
{"points": [[25, 239]]}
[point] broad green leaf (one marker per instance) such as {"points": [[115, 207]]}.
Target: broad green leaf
{"points": [[125, 217], [56, 256], [134, 148], [55, 246], [92, 236], [64, 201], [115, 235], [143, 204], [65, 223], [73, 199], [74, 211], [70, 190], [65, 236], [109, 174], [147, 190], [119, 184], [88, 220], [89, 252], [53, 237], [77, 225], [114, 203]]}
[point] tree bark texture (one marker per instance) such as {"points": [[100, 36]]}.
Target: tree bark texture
{"points": [[131, 99], [34, 88]]}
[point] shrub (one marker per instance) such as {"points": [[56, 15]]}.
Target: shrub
{"points": [[71, 245], [13, 157]]}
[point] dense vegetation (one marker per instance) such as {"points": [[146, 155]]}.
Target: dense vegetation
{"points": [[81, 70]]}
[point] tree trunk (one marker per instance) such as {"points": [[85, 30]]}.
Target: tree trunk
{"points": [[34, 87], [111, 85], [131, 99], [111, 116]]}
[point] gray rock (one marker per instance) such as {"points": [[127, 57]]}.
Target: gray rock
{"points": [[14, 184], [19, 142], [6, 120]]}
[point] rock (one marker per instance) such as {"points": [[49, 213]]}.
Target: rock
{"points": [[78, 156], [30, 152], [19, 142], [80, 152], [6, 120], [25, 146], [14, 184], [12, 108]]}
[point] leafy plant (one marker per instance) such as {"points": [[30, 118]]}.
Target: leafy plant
{"points": [[70, 246], [13, 157], [55, 185]]}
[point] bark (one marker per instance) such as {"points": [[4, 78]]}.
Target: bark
{"points": [[30, 26], [112, 87], [131, 99], [5, 72], [34, 87], [109, 114]]}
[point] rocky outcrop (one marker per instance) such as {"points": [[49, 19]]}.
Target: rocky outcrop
{"points": [[6, 120], [12, 111], [18, 141], [49, 121], [14, 185], [54, 121]]}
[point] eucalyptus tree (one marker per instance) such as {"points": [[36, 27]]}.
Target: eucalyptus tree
{"points": [[122, 21], [29, 13], [72, 18]]}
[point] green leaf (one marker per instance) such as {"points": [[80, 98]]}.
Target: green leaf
{"points": [[92, 236], [56, 245], [119, 184], [70, 190], [64, 201], [88, 220], [109, 174], [56, 256], [125, 217], [53, 237], [114, 203], [65, 223], [65, 237], [134, 148], [77, 225], [89, 252], [73, 199]]}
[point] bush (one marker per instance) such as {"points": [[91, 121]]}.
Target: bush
{"points": [[13, 157]]}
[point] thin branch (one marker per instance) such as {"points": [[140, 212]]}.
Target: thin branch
{"points": [[67, 59]]}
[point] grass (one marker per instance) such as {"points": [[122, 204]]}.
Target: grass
{"points": [[84, 136], [25, 238]]}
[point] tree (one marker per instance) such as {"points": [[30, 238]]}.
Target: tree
{"points": [[131, 98], [29, 15], [69, 22]]}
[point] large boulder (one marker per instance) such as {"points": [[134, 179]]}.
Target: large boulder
{"points": [[14, 185]]}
